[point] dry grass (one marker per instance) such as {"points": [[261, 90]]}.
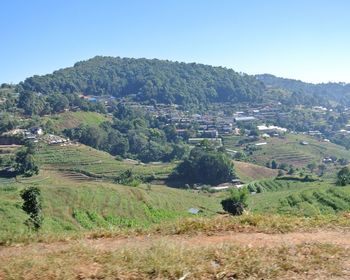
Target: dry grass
{"points": [[174, 249], [263, 223], [172, 261], [250, 172]]}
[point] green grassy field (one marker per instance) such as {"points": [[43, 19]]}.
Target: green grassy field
{"points": [[71, 205], [74, 119]]}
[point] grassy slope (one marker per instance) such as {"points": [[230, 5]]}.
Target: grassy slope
{"points": [[289, 150], [73, 205], [248, 172], [74, 119], [300, 198]]}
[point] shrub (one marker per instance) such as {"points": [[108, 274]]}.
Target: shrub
{"points": [[343, 176], [32, 206], [236, 202], [128, 178]]}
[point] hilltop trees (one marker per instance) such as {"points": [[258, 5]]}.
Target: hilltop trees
{"points": [[205, 165], [32, 103], [188, 84], [58, 102]]}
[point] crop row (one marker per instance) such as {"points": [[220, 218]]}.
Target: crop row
{"points": [[266, 186], [327, 201]]}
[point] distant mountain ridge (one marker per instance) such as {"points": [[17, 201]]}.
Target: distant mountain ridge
{"points": [[187, 84], [339, 92]]}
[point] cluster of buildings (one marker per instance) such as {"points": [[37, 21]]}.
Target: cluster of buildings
{"points": [[217, 122], [34, 134]]}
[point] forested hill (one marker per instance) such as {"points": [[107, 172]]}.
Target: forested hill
{"points": [[338, 92], [164, 81]]}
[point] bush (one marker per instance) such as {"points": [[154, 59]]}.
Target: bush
{"points": [[343, 176], [128, 178], [32, 206], [236, 202]]}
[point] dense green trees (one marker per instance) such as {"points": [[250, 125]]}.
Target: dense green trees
{"points": [[7, 122], [25, 163], [33, 103], [133, 134], [307, 93], [205, 165], [188, 84], [58, 102]]}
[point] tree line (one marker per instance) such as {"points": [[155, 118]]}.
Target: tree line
{"points": [[187, 84]]}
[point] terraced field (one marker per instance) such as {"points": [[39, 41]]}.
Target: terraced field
{"points": [[298, 198], [6, 151], [268, 185], [86, 160], [289, 150], [295, 158], [312, 202]]}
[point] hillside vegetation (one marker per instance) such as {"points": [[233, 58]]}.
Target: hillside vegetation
{"points": [[339, 92], [67, 120], [187, 84]]}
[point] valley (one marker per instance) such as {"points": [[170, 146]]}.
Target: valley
{"points": [[215, 181]]}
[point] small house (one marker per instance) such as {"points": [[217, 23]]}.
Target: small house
{"points": [[36, 130]]}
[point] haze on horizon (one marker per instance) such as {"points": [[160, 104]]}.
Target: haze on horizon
{"points": [[304, 40]]}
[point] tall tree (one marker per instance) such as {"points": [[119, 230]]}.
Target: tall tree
{"points": [[32, 206]]}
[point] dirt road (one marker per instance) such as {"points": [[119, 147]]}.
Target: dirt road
{"points": [[334, 237]]}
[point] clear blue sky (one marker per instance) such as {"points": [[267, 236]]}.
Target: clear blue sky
{"points": [[303, 39]]}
